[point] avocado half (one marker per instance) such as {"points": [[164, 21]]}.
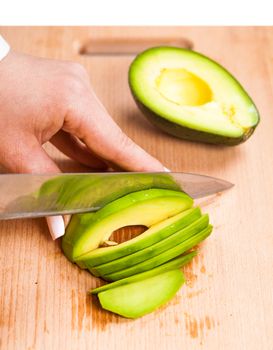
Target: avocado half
{"points": [[188, 95]]}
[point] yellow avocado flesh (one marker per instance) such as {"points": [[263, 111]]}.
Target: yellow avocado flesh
{"points": [[191, 90]]}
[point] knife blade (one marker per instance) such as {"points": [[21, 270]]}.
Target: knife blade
{"points": [[37, 195]]}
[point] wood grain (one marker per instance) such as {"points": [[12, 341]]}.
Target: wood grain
{"points": [[227, 302]]}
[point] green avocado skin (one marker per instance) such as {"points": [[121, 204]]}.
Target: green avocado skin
{"points": [[188, 134], [137, 299], [176, 263]]}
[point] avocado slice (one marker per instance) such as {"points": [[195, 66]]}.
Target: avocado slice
{"points": [[108, 188], [170, 265], [151, 251], [87, 231], [161, 258], [154, 234], [97, 190], [188, 95], [57, 185], [140, 298]]}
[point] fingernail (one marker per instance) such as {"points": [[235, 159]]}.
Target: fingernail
{"points": [[66, 219], [56, 226], [166, 169]]}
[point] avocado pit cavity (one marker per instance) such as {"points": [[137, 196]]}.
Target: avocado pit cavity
{"points": [[124, 234], [182, 87]]}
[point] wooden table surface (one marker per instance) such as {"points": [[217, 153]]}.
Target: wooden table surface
{"points": [[228, 300]]}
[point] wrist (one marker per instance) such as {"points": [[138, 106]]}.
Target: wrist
{"points": [[4, 48]]}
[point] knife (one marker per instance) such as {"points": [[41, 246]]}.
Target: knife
{"points": [[36, 195]]}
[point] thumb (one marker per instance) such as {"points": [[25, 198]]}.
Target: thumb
{"points": [[28, 156]]}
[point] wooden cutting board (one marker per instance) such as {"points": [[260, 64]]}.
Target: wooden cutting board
{"points": [[227, 302]]}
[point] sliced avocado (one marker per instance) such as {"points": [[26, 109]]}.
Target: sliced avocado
{"points": [[110, 187], [62, 190], [151, 251], [86, 232], [140, 298], [57, 185], [170, 265], [161, 258], [72, 234], [97, 190], [154, 234], [190, 96], [52, 190]]}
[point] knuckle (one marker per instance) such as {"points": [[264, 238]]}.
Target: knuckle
{"points": [[72, 88], [72, 83], [77, 69]]}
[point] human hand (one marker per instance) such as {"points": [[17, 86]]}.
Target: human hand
{"points": [[47, 100]]}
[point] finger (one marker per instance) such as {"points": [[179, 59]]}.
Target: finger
{"points": [[73, 148], [27, 156], [56, 226], [91, 123]]}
